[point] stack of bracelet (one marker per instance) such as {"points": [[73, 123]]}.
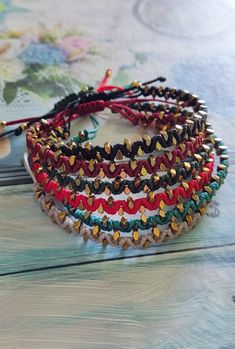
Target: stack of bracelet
{"points": [[134, 194]]}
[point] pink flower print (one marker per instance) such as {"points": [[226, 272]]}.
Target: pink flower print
{"points": [[74, 47]]}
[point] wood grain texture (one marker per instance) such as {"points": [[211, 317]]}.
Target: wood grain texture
{"points": [[172, 301]]}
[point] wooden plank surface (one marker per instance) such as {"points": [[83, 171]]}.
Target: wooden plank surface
{"points": [[180, 300]]}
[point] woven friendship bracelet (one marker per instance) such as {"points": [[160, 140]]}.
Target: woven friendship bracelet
{"points": [[130, 194]]}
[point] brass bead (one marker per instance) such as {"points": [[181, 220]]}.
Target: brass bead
{"points": [[147, 244], [119, 155], [156, 232], [62, 215], [123, 221], [87, 189], [128, 144], [110, 201], [116, 235], [174, 227], [162, 213], [182, 147], [151, 196], [123, 174], [107, 191], [81, 172], [144, 218], [140, 151], [208, 189], [120, 211], [77, 226], [95, 230], [155, 178], [169, 155], [187, 165], [135, 235], [105, 242], [105, 220], [158, 146], [142, 209], [3, 124], [112, 166], [88, 145], [173, 172], [136, 84], [130, 202], [189, 219], [147, 140], [198, 157], [107, 147], [143, 171], [72, 160], [100, 209], [180, 207], [162, 205], [133, 164], [127, 190], [202, 210], [185, 185], [86, 214], [101, 173], [152, 160]]}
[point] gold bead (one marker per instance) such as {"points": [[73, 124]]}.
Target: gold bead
{"points": [[133, 164], [95, 230], [189, 219], [174, 227], [123, 221], [198, 157], [123, 174], [185, 185], [105, 242], [144, 218], [81, 172], [107, 147], [140, 151], [116, 235], [100, 209], [127, 190], [107, 191], [101, 173], [152, 160], [120, 211], [77, 226], [72, 160], [147, 140], [62, 216], [173, 172], [130, 202], [151, 196], [142, 209], [119, 155], [112, 167], [128, 144], [162, 205], [135, 235], [187, 165], [156, 232], [208, 189], [3, 124], [162, 213], [158, 146], [202, 210], [143, 171]]}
